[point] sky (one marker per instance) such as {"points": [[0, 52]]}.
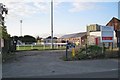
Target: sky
{"points": [[69, 16]]}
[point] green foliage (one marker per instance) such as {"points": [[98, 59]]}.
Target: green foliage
{"points": [[3, 33], [0, 31], [93, 49], [28, 39], [93, 52], [81, 56], [25, 39]]}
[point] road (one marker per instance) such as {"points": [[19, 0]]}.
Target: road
{"points": [[104, 74], [42, 64]]}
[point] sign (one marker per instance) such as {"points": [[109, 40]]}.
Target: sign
{"points": [[107, 33], [107, 38]]}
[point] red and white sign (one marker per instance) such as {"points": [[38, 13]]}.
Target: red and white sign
{"points": [[107, 38], [107, 33]]}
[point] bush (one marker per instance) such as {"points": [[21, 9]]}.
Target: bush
{"points": [[93, 52], [81, 56], [94, 49]]}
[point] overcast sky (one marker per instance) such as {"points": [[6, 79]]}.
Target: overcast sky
{"points": [[69, 16]]}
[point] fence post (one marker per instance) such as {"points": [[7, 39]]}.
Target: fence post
{"points": [[18, 47], [57, 46], [31, 46], [66, 52], [44, 46]]}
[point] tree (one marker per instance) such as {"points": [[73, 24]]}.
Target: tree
{"points": [[4, 35], [3, 29], [49, 37], [27, 39], [20, 38], [38, 38]]}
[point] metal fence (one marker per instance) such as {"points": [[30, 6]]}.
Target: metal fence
{"points": [[41, 46]]}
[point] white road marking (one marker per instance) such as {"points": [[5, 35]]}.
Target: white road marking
{"points": [[114, 69]]}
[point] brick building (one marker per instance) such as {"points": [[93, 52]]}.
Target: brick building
{"points": [[77, 38], [114, 22]]}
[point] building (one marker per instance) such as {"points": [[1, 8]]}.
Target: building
{"points": [[93, 28], [77, 38], [48, 40], [94, 33], [114, 22]]}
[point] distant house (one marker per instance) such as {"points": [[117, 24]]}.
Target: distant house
{"points": [[77, 38], [114, 22], [48, 40]]}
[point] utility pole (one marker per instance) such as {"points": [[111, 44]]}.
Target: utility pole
{"points": [[51, 24], [20, 27]]}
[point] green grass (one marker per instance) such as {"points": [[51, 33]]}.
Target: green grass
{"points": [[39, 48]]}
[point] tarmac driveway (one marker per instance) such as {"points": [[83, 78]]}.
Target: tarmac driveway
{"points": [[48, 63]]}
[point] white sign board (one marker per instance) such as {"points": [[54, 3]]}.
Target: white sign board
{"points": [[107, 33]]}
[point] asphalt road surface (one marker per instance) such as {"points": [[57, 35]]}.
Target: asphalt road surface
{"points": [[47, 64], [104, 74]]}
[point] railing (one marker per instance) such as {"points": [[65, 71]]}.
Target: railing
{"points": [[42, 46]]}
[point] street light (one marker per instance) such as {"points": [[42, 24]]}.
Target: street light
{"points": [[21, 27], [51, 24]]}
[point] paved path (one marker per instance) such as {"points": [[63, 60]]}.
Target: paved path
{"points": [[47, 63]]}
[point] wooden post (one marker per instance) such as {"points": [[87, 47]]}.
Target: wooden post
{"points": [[103, 48]]}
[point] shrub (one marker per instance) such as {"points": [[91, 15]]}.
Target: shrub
{"points": [[93, 52], [82, 56]]}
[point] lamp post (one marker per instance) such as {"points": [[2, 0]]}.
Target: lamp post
{"points": [[51, 24], [20, 27]]}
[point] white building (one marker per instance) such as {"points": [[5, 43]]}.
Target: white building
{"points": [[94, 37]]}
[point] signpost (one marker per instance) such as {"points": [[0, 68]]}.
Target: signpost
{"points": [[107, 35]]}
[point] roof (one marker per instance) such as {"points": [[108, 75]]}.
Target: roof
{"points": [[74, 35], [114, 18]]}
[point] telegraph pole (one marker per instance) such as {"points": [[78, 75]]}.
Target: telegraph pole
{"points": [[51, 24], [20, 27]]}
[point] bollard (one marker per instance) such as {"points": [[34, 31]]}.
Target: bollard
{"points": [[67, 47], [73, 52], [66, 52]]}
